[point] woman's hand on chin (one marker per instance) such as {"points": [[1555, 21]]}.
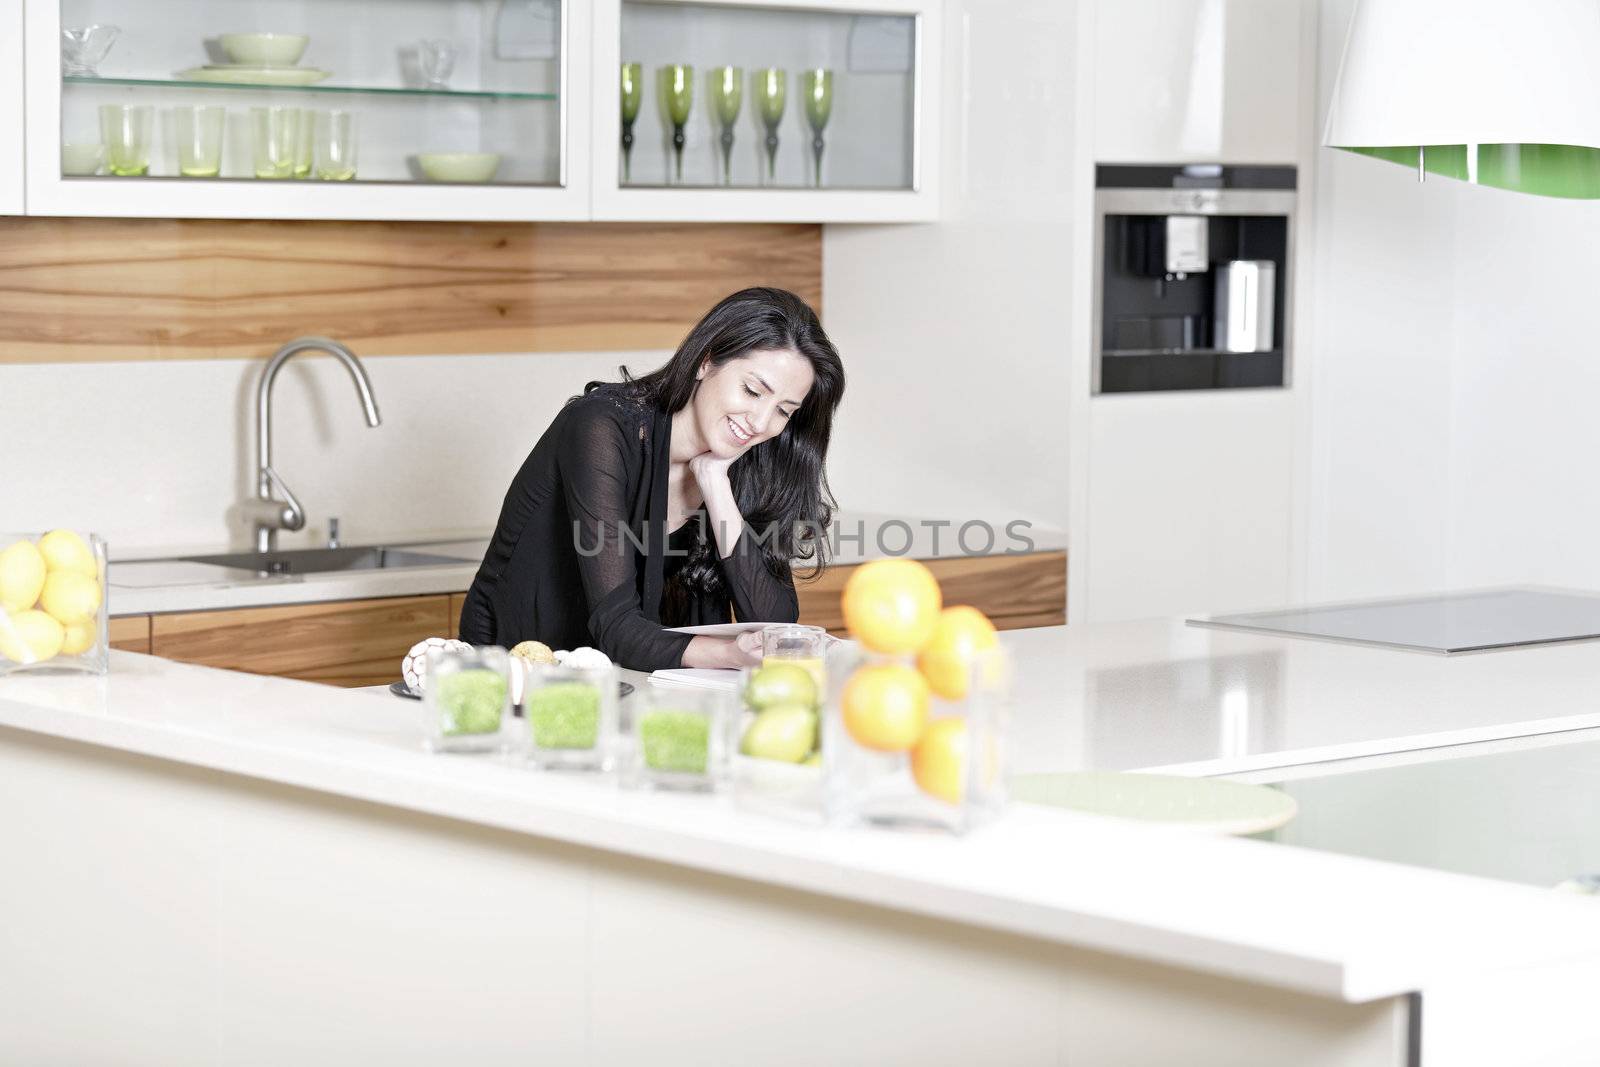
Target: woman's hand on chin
{"points": [[710, 469]]}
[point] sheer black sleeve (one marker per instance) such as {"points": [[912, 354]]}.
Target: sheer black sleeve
{"points": [[758, 594], [592, 458]]}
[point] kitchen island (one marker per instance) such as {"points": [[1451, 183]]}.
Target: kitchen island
{"points": [[205, 866]]}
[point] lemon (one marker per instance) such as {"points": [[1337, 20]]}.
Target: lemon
{"points": [[892, 605], [70, 596], [885, 706], [960, 636], [22, 572], [939, 762], [80, 637], [33, 637], [64, 550]]}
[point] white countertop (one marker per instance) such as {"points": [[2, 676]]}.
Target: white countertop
{"points": [[1320, 923], [1161, 695], [860, 536]]}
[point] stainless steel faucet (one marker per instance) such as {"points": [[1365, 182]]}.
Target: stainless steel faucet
{"points": [[269, 514]]}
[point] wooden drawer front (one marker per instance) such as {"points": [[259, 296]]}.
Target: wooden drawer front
{"points": [[352, 642], [131, 633], [1014, 591]]}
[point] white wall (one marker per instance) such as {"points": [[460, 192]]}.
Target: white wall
{"points": [[153, 455], [1457, 379], [955, 335]]}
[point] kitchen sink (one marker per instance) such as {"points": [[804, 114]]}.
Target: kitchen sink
{"points": [[325, 560]]}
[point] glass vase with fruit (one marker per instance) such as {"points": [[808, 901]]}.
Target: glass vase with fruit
{"points": [[916, 723], [777, 757], [53, 616]]}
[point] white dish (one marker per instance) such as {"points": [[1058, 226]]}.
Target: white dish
{"points": [[459, 166], [254, 66], [265, 49], [255, 75], [81, 160]]}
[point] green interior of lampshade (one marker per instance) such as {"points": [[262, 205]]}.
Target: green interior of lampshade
{"points": [[1565, 170]]}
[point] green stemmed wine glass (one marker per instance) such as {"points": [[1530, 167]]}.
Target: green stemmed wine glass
{"points": [[772, 86], [818, 87], [677, 97], [632, 97], [727, 93]]}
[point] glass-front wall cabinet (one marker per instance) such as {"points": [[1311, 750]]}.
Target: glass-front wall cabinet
{"points": [[764, 109], [717, 96], [331, 92]]}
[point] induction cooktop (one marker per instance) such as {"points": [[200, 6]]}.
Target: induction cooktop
{"points": [[1445, 623]]}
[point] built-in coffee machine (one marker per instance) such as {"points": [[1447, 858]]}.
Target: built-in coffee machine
{"points": [[1193, 276]]}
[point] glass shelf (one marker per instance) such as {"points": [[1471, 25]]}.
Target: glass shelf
{"points": [[173, 83]]}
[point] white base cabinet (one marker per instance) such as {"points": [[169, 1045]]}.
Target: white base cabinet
{"points": [[163, 914]]}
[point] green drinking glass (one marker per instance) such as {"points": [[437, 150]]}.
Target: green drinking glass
{"points": [[771, 89], [818, 88], [677, 97], [632, 97], [727, 93]]}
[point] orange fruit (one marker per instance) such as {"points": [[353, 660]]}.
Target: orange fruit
{"points": [[891, 605], [958, 636], [939, 762], [885, 706]]}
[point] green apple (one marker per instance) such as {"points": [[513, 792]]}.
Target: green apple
{"points": [[787, 732], [780, 683]]}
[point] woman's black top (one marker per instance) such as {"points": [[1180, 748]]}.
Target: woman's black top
{"points": [[578, 556]]}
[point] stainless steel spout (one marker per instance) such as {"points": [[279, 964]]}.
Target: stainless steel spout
{"points": [[269, 514]]}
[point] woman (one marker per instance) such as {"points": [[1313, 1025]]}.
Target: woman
{"points": [[676, 499]]}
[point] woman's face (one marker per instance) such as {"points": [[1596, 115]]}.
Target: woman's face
{"points": [[749, 399]]}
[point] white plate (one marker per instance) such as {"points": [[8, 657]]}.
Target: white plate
{"points": [[255, 75]]}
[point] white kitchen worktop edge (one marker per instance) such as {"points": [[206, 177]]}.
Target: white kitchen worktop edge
{"points": [[1319, 923]]}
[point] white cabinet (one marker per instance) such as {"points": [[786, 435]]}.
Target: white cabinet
{"points": [[794, 111], [11, 161], [1198, 81], [1190, 504], [531, 102], [516, 106]]}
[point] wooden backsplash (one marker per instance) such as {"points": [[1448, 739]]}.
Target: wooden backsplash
{"points": [[94, 290]]}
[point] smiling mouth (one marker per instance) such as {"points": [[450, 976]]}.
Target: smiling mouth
{"points": [[738, 432]]}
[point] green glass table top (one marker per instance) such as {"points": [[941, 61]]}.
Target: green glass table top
{"points": [[1527, 815]]}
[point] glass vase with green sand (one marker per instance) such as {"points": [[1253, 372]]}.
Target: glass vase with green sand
{"points": [[727, 94], [632, 97], [679, 738], [818, 88], [771, 91], [571, 715], [677, 99]]}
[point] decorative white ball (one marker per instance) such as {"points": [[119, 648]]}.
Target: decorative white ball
{"points": [[414, 668], [584, 658]]}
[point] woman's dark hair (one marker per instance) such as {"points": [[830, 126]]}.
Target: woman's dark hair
{"points": [[780, 484]]}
